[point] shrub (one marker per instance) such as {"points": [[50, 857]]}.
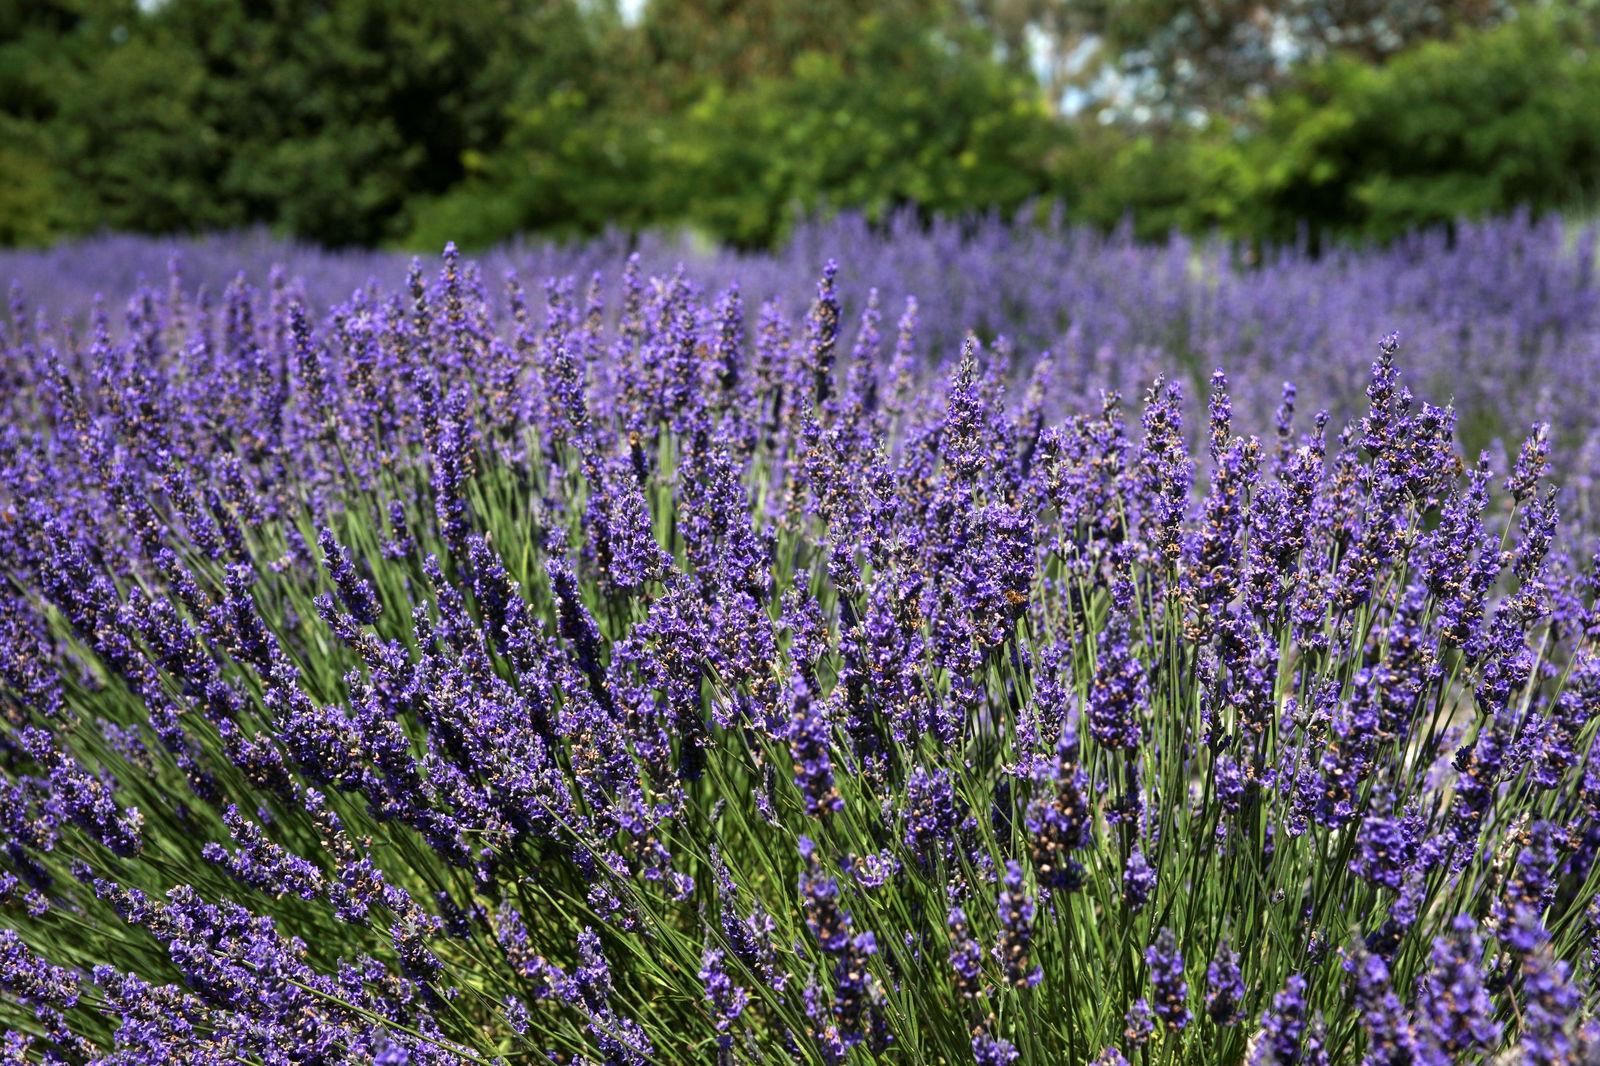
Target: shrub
{"points": [[430, 683]]}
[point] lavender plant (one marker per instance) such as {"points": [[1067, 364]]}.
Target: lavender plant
{"points": [[1502, 315], [642, 680]]}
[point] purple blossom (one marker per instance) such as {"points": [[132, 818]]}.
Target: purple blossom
{"points": [[674, 595], [992, 1051], [1287, 1036], [809, 735], [1225, 988], [726, 999], [1017, 912], [1388, 846], [1171, 991], [966, 957], [1138, 881], [1454, 1013], [1139, 1023]]}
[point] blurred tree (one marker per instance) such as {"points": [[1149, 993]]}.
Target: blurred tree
{"points": [[732, 116], [134, 142], [326, 120], [1055, 39], [688, 44], [1487, 122], [408, 121], [572, 163], [900, 115], [578, 149], [1174, 60], [1484, 123], [42, 44], [332, 116]]}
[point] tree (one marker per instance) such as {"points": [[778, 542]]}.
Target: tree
{"points": [[43, 45], [1175, 60], [330, 117], [899, 117], [687, 45], [326, 120], [1486, 123]]}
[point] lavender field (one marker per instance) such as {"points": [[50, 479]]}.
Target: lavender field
{"points": [[1500, 317], [981, 643]]}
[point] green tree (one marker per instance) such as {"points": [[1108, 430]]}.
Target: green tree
{"points": [[1158, 61], [44, 44], [896, 118], [326, 120], [733, 117], [688, 45], [1486, 122], [578, 143], [333, 116], [132, 137]]}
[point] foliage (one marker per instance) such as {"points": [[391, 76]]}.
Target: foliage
{"points": [[324, 120], [426, 682], [885, 113], [894, 120], [1466, 128], [1173, 59], [33, 197], [42, 46], [571, 164], [690, 45], [1459, 129], [401, 123]]}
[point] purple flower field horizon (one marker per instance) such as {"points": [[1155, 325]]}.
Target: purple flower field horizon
{"points": [[1019, 645], [1500, 317]]}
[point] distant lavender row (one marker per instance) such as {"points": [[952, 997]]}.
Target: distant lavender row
{"points": [[1503, 316]]}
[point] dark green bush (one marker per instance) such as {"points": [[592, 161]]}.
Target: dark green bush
{"points": [[1478, 125], [404, 122]]}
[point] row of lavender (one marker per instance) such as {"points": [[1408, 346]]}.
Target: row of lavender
{"points": [[646, 678], [1503, 317]]}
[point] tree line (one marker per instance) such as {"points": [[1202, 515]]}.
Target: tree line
{"points": [[407, 123]]}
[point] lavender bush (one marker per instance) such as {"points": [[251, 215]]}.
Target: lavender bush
{"points": [[1501, 317], [653, 678]]}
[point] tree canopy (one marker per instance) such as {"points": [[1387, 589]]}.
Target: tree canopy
{"points": [[407, 122]]}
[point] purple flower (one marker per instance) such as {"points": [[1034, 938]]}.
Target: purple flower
{"points": [[810, 735], [749, 936], [672, 592], [1057, 819], [1171, 991], [933, 813], [356, 591], [991, 1051], [1165, 472], [30, 978], [1118, 701], [1017, 911], [1531, 463], [1391, 1037], [1284, 1029], [1224, 987], [1550, 1009], [856, 995], [1454, 1013], [1387, 848], [1139, 1023], [1138, 881], [726, 999], [819, 893], [966, 957]]}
